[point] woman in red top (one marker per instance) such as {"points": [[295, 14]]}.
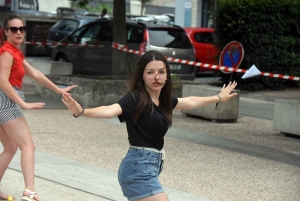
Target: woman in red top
{"points": [[14, 131]]}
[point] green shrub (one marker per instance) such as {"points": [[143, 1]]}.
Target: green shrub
{"points": [[269, 31]]}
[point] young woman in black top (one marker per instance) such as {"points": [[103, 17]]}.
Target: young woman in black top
{"points": [[147, 111]]}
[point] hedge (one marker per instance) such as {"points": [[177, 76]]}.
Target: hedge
{"points": [[269, 31]]}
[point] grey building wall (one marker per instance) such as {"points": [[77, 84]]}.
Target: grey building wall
{"points": [[179, 12], [196, 13], [158, 10], [150, 9], [202, 15]]}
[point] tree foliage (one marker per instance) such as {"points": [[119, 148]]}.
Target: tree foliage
{"points": [[81, 3], [99, 8]]}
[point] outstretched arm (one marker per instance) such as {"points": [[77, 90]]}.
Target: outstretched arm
{"points": [[6, 61], [192, 102], [43, 80], [102, 112]]}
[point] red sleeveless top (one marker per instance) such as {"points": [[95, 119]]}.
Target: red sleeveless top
{"points": [[17, 70]]}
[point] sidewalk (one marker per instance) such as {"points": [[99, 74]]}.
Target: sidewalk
{"points": [[63, 179], [12, 184], [78, 159]]}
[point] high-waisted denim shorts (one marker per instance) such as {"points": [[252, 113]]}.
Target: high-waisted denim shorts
{"points": [[138, 174], [9, 110]]}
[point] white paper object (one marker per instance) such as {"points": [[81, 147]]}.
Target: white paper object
{"points": [[253, 71]]}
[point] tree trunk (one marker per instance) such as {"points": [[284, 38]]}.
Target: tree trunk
{"points": [[119, 35]]}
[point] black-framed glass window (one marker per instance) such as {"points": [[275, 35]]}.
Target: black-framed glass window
{"points": [[208, 9]]}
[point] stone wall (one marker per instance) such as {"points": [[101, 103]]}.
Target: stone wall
{"points": [[225, 111], [286, 116], [95, 92]]}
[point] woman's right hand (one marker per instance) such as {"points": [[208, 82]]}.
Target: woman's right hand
{"points": [[32, 106]]}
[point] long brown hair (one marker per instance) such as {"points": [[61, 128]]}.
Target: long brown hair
{"points": [[136, 83], [6, 21]]}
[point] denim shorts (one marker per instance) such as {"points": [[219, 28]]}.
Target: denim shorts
{"points": [[138, 174], [9, 110]]}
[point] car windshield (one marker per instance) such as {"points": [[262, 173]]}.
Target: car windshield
{"points": [[65, 25], [172, 38]]}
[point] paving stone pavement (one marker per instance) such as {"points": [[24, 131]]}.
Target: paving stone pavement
{"points": [[59, 177], [82, 181]]}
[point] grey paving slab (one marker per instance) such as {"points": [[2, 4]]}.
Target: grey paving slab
{"points": [[222, 186], [256, 108], [13, 184], [229, 144], [237, 146], [87, 178]]}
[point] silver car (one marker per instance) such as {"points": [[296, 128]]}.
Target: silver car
{"points": [[171, 41]]}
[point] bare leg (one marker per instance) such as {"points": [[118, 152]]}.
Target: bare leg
{"points": [[10, 148], [157, 197], [18, 131]]}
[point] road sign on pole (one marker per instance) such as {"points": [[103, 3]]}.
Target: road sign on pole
{"points": [[231, 56]]}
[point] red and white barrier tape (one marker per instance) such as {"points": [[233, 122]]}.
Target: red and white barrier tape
{"points": [[211, 66], [193, 63], [66, 44]]}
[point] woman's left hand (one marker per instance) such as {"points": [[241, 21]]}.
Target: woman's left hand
{"points": [[67, 89], [226, 90], [72, 105]]}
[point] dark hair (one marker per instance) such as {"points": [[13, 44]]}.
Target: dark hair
{"points": [[104, 12], [6, 20], [136, 83]]}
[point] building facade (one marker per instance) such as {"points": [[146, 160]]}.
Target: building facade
{"points": [[195, 13]]}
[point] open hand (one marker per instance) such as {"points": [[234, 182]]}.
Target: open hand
{"points": [[33, 106], [226, 90], [67, 89], [72, 105]]}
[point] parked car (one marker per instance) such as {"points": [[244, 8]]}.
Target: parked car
{"points": [[67, 11], [164, 21], [65, 26], [171, 41], [203, 42], [143, 19]]}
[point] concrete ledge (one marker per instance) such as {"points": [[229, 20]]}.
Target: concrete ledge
{"points": [[49, 67], [286, 116], [97, 91], [256, 108], [227, 111]]}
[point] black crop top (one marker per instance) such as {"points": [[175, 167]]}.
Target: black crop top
{"points": [[149, 131]]}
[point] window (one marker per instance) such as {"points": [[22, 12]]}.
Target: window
{"points": [[65, 25], [208, 12], [205, 37], [173, 38], [78, 32], [28, 4], [91, 33], [107, 32], [134, 35]]}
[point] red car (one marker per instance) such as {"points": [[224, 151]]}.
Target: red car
{"points": [[202, 40]]}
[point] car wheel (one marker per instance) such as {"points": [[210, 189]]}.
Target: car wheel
{"points": [[61, 58]]}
